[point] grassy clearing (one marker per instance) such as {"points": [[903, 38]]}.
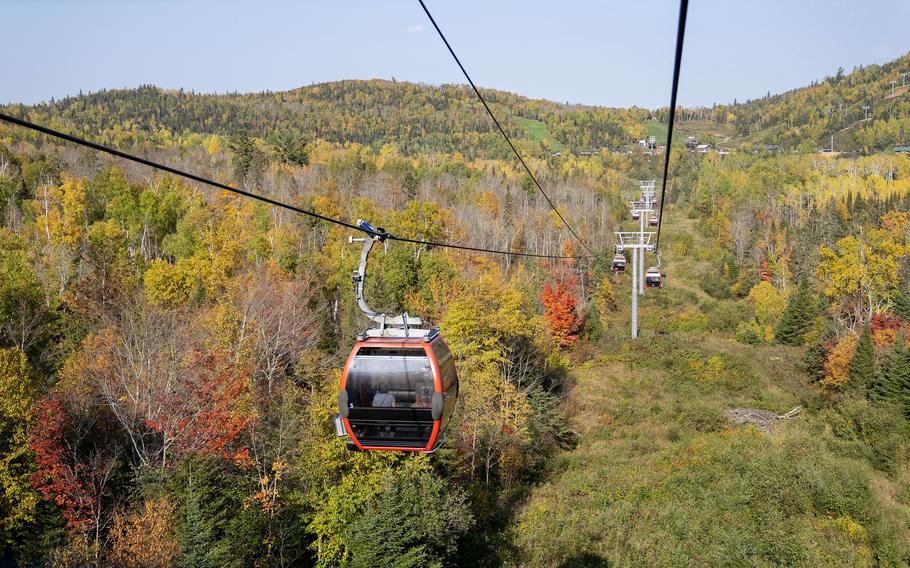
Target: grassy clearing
{"points": [[539, 132], [656, 129], [661, 478]]}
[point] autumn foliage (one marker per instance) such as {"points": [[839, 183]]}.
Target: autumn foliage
{"points": [[211, 420], [56, 477], [145, 537], [559, 302], [885, 329], [837, 364]]}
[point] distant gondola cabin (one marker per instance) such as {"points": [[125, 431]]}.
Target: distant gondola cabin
{"points": [[653, 278], [619, 263]]}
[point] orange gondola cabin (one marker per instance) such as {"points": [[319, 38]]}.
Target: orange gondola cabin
{"points": [[398, 393], [399, 386]]}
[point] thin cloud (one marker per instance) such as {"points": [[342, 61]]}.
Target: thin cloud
{"points": [[416, 29]]}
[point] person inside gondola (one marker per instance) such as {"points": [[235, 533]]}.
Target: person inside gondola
{"points": [[424, 395], [383, 398]]}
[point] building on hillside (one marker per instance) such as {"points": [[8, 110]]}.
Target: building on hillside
{"points": [[703, 148]]}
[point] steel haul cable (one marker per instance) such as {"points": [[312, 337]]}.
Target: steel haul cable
{"points": [[502, 130], [680, 33], [163, 167]]}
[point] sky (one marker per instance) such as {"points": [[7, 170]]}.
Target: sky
{"points": [[608, 52]]}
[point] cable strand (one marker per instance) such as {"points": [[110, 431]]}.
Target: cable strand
{"points": [[502, 130], [680, 33]]}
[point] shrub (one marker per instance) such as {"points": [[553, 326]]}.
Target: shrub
{"points": [[876, 432], [725, 316], [749, 334], [716, 286], [145, 538]]}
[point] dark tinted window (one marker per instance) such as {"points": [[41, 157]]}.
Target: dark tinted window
{"points": [[390, 381]]}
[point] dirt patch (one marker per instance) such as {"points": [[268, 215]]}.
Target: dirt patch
{"points": [[763, 420]]}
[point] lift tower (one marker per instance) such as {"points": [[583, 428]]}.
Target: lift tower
{"points": [[638, 242]]}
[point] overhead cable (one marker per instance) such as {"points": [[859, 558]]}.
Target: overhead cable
{"points": [[680, 33], [502, 130]]}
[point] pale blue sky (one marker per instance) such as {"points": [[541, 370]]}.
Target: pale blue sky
{"points": [[605, 52]]}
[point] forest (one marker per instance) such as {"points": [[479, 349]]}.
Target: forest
{"points": [[864, 111], [170, 354]]}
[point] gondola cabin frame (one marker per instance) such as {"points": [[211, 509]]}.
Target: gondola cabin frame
{"points": [[416, 420]]}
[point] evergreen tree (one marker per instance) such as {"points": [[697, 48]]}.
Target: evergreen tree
{"points": [[248, 161], [892, 383], [813, 363], [798, 316], [902, 303], [413, 520], [288, 148], [195, 530], [862, 367]]}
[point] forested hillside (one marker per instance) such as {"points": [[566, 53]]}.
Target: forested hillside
{"points": [[170, 354], [804, 119], [416, 118]]}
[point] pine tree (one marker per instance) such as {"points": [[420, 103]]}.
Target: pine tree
{"points": [[902, 303], [414, 520], [892, 383], [862, 367], [195, 531], [814, 361], [798, 316]]}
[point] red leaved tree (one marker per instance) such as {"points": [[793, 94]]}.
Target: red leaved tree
{"points": [[168, 396], [56, 477], [205, 416], [76, 449], [885, 329], [765, 272], [558, 299]]}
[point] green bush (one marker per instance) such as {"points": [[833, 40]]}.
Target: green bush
{"points": [[716, 286], [726, 315], [876, 432], [748, 334], [703, 418], [414, 520]]}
